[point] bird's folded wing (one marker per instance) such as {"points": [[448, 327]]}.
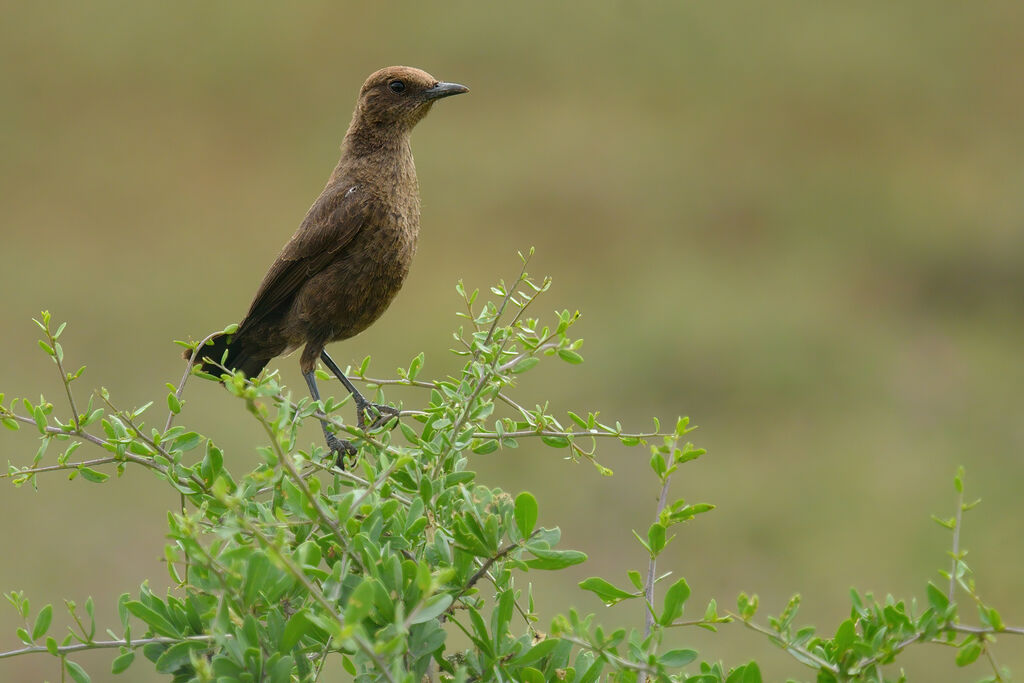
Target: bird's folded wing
{"points": [[329, 226]]}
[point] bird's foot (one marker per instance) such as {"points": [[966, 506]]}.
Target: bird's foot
{"points": [[341, 449], [379, 413]]}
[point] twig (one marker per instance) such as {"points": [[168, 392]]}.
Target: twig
{"points": [[185, 376], [789, 647], [551, 432], [651, 567], [504, 303], [505, 367], [480, 573], [285, 460], [103, 644], [619, 661], [956, 543]]}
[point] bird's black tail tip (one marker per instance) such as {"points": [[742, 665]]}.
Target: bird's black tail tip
{"points": [[226, 351]]}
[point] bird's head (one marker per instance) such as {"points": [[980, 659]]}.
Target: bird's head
{"points": [[401, 96]]}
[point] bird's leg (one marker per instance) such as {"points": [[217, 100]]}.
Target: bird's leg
{"points": [[384, 413], [340, 447]]}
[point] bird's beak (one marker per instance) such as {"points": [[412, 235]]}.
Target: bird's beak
{"points": [[444, 90]]}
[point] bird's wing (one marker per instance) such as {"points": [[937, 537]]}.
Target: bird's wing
{"points": [[329, 226]]}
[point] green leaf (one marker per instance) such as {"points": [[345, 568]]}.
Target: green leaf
{"points": [[298, 626], [554, 559], [42, 622], [257, 571], [608, 593], [360, 603], [486, 446], [415, 366], [936, 598], [122, 662], [656, 538], [531, 675], [178, 655], [675, 599], [538, 651], [76, 672], [677, 658], [92, 475], [526, 513], [434, 607], [524, 365], [752, 674], [156, 622], [570, 356], [555, 441], [51, 646], [186, 442], [173, 403], [968, 653], [845, 636], [40, 417]]}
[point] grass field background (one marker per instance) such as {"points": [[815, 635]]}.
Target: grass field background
{"points": [[800, 224]]}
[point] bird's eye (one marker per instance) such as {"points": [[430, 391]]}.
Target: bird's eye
{"points": [[397, 86]]}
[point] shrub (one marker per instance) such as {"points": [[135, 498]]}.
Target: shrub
{"points": [[297, 564]]}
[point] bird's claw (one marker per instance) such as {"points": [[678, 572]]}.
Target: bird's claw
{"points": [[382, 414], [341, 449]]}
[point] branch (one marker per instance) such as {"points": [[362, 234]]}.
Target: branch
{"points": [[186, 375], [480, 573], [552, 432], [300, 482], [649, 584], [956, 543], [103, 644], [793, 649]]}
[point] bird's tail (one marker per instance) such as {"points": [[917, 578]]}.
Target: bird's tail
{"points": [[230, 351]]}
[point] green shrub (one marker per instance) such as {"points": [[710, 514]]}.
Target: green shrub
{"points": [[297, 564]]}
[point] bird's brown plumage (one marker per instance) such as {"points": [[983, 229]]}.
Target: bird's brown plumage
{"points": [[346, 262]]}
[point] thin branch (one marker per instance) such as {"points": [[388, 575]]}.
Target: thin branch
{"points": [[874, 659], [103, 644], [552, 432], [184, 378], [64, 379], [504, 303], [480, 573], [789, 647], [139, 434], [502, 369], [525, 413], [986, 630], [56, 468], [322, 659], [651, 566], [956, 543], [402, 382], [300, 482], [618, 661]]}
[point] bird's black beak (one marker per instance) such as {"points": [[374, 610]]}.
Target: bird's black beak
{"points": [[444, 90]]}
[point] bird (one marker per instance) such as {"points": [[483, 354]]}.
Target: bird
{"points": [[350, 255]]}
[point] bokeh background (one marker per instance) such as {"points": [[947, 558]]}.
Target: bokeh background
{"points": [[800, 224]]}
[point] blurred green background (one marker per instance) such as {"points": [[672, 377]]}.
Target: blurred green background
{"points": [[802, 224]]}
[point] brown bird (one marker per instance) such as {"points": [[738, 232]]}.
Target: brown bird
{"points": [[346, 262]]}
